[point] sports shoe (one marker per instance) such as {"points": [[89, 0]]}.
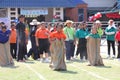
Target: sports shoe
{"points": [[46, 60], [108, 57], [113, 56]]}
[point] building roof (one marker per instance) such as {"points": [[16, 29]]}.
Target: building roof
{"points": [[39, 3]]}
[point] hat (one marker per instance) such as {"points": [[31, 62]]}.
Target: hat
{"points": [[68, 21], [34, 22], [97, 21]]}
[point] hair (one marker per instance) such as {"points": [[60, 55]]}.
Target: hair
{"points": [[61, 25], [4, 27]]}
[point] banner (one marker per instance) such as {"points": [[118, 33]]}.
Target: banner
{"points": [[34, 11]]}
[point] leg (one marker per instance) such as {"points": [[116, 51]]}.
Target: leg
{"points": [[113, 47], [118, 56], [108, 45]]}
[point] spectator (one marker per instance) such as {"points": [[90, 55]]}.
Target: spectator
{"points": [[110, 36], [42, 41], [22, 39], [70, 40], [117, 37], [81, 33], [13, 37]]}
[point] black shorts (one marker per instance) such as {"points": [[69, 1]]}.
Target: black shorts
{"points": [[43, 45]]}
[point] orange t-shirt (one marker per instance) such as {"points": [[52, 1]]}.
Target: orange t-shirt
{"points": [[42, 33], [58, 35], [13, 36]]}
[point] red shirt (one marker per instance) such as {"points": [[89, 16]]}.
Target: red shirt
{"points": [[13, 36], [42, 33], [117, 36], [58, 35]]}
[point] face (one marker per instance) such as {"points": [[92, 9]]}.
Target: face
{"points": [[69, 24], [80, 26], [12, 27], [3, 29], [22, 19], [43, 26], [59, 28], [94, 30]]}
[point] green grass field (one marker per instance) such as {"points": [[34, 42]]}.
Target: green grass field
{"points": [[76, 70]]}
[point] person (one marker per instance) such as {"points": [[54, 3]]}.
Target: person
{"points": [[13, 37], [80, 34], [94, 57], [33, 50], [117, 38], [22, 39], [110, 36], [5, 56], [42, 41], [70, 39], [58, 49], [98, 25]]}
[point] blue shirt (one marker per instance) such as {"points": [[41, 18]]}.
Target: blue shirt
{"points": [[81, 33], [4, 37]]}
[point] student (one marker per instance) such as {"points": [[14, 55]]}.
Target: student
{"points": [[13, 45], [117, 38], [93, 51], [58, 49], [70, 39], [5, 56], [81, 33], [33, 50], [22, 39], [42, 41]]}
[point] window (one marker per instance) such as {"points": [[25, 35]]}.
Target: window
{"points": [[57, 9], [12, 9]]}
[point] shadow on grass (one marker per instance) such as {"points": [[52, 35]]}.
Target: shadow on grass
{"points": [[103, 66], [30, 62], [10, 66], [69, 72]]}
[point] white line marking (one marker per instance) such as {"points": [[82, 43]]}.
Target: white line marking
{"points": [[38, 74], [91, 73]]}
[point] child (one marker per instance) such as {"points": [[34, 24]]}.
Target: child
{"points": [[93, 48], [117, 37], [13, 45]]}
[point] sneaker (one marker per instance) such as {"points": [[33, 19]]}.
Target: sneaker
{"points": [[46, 60], [113, 56], [108, 57], [41, 60], [118, 59], [26, 57]]}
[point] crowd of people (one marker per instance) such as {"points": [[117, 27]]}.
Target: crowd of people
{"points": [[57, 41]]}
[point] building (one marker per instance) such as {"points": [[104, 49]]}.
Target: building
{"points": [[44, 10]]}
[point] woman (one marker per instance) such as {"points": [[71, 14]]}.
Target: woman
{"points": [[93, 48], [58, 49], [5, 56], [110, 36]]}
